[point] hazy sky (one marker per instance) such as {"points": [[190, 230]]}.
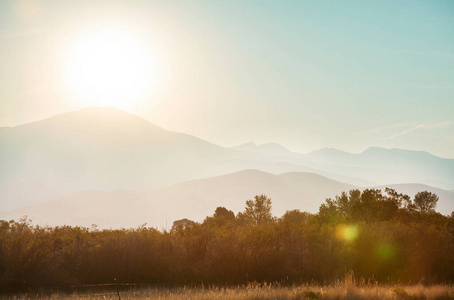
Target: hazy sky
{"points": [[305, 74]]}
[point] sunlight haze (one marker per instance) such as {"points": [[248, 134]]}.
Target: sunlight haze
{"points": [[213, 149], [109, 67], [304, 74]]}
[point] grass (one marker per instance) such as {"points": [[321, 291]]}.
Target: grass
{"points": [[340, 290]]}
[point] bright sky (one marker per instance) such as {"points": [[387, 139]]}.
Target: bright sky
{"points": [[305, 74]]}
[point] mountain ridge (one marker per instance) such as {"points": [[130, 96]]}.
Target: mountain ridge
{"points": [[107, 149], [196, 199]]}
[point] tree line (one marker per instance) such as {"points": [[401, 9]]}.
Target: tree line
{"points": [[380, 236]]}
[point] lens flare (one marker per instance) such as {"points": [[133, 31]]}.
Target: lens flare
{"points": [[347, 233]]}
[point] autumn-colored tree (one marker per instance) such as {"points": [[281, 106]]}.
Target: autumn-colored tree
{"points": [[182, 224], [374, 234], [258, 211]]}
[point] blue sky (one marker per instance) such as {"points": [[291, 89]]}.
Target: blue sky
{"points": [[306, 74]]}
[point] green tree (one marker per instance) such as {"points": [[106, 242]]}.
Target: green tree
{"points": [[341, 207], [426, 201], [328, 212]]}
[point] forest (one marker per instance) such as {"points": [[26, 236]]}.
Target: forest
{"points": [[380, 237]]}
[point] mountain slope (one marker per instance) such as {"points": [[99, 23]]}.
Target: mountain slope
{"points": [[377, 165], [106, 149], [97, 148], [387, 166], [194, 199], [198, 199], [268, 148]]}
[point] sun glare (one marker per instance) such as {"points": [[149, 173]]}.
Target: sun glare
{"points": [[346, 233], [109, 67]]}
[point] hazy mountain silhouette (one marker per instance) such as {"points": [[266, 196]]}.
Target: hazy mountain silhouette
{"points": [[197, 199], [377, 165], [193, 199], [268, 148], [97, 148], [106, 149], [388, 165]]}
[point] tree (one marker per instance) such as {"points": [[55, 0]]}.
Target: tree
{"points": [[182, 224], [222, 212], [329, 211], [425, 201], [222, 216], [258, 211], [401, 200], [295, 217]]}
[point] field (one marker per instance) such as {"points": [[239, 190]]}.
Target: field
{"points": [[341, 290]]}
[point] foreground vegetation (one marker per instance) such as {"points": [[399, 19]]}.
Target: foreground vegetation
{"points": [[339, 290], [381, 238]]}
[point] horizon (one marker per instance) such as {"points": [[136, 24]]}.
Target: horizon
{"points": [[108, 149], [230, 146]]}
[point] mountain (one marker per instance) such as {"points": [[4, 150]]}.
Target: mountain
{"points": [[106, 149], [268, 148], [372, 166], [387, 165], [97, 148], [331, 156], [197, 199]]}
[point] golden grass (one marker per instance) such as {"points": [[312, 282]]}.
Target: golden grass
{"points": [[341, 290]]}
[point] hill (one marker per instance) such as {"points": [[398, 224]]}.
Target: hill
{"points": [[373, 166], [106, 149], [194, 199], [96, 148], [385, 166], [197, 199]]}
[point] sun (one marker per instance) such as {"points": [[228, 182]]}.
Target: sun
{"points": [[109, 67]]}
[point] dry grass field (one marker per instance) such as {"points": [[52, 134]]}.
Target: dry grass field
{"points": [[341, 290]]}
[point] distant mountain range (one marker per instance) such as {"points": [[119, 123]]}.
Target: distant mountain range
{"points": [[198, 199], [106, 149], [390, 165], [269, 148], [374, 165]]}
